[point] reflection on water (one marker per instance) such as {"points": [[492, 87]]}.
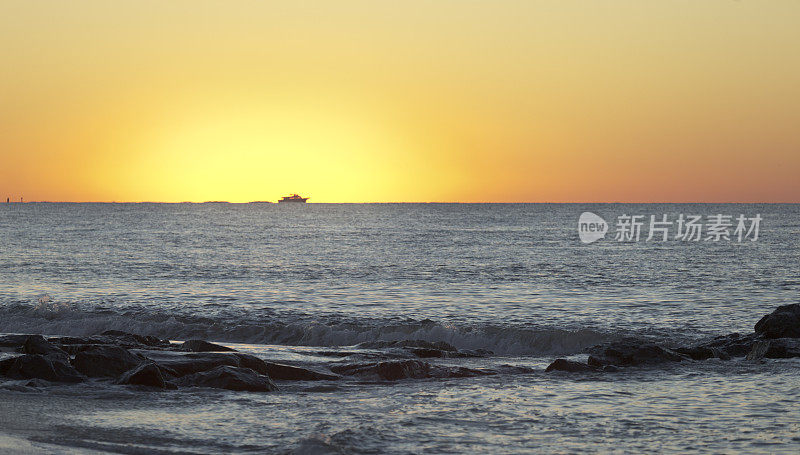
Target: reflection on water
{"points": [[510, 278]]}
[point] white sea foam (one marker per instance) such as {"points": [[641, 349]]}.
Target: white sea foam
{"points": [[50, 318]]}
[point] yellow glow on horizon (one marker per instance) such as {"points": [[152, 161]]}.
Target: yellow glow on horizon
{"points": [[369, 100]]}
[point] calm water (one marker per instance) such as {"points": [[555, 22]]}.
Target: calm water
{"points": [[511, 278]]}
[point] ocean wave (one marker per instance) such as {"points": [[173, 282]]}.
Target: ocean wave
{"points": [[52, 318]]}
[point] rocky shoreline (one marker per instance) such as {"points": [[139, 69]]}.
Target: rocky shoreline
{"points": [[142, 361]]}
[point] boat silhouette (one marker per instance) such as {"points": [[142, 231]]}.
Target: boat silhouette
{"points": [[294, 198]]}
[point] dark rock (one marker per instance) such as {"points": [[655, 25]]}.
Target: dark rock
{"points": [[703, 352], [426, 353], [230, 378], [50, 368], [252, 362], [784, 322], [203, 346], [569, 365], [182, 365], [633, 354], [36, 344], [73, 349], [132, 339], [293, 373], [146, 374], [335, 353], [720, 354], [759, 350], [392, 370], [12, 341], [419, 348], [460, 372], [62, 340], [610, 369], [105, 361], [726, 346], [472, 353], [5, 365], [697, 352], [783, 348]]}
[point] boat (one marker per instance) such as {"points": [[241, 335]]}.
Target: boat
{"points": [[294, 198]]}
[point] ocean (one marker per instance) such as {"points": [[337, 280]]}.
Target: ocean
{"points": [[311, 284]]}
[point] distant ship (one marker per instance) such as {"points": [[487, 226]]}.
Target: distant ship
{"points": [[294, 198]]}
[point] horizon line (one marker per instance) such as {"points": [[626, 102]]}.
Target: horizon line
{"points": [[402, 202]]}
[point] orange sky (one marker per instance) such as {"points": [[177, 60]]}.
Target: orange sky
{"points": [[369, 100]]}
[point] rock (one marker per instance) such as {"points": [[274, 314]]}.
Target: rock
{"points": [[105, 361], [703, 353], [12, 341], [784, 322], [5, 365], [335, 353], [569, 365], [31, 366], [230, 378], [252, 362], [632, 354], [726, 346], [62, 340], [697, 352], [36, 344], [389, 370], [783, 348], [203, 346], [418, 348], [427, 353], [73, 349], [759, 350], [720, 354], [293, 373], [392, 370], [146, 374], [594, 362], [134, 340], [182, 365]]}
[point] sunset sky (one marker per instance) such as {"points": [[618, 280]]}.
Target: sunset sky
{"points": [[372, 101]]}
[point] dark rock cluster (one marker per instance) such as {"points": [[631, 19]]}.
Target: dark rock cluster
{"points": [[147, 361], [137, 360], [776, 336]]}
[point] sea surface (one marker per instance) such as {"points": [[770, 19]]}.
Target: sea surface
{"points": [[284, 281]]}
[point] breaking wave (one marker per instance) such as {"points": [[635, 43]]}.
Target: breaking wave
{"points": [[50, 318]]}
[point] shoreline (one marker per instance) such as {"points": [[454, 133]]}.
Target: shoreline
{"points": [[324, 396]]}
